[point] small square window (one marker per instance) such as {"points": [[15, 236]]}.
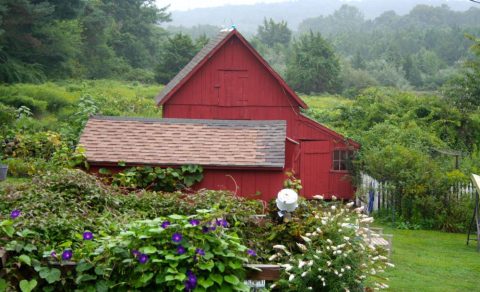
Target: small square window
{"points": [[340, 158]]}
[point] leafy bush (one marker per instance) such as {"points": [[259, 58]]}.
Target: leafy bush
{"points": [[40, 99], [402, 134], [71, 216], [175, 253], [35, 145], [157, 178], [18, 167], [37, 106], [322, 248], [7, 115]]}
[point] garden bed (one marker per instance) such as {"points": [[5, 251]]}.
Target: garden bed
{"points": [[142, 240]]}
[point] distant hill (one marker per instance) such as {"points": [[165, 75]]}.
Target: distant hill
{"points": [[248, 17]]}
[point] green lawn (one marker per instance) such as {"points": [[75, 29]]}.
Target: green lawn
{"points": [[433, 261]]}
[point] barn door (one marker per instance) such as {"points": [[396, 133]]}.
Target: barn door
{"points": [[315, 164], [232, 87]]}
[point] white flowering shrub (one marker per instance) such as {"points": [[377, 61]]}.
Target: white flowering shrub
{"points": [[331, 251]]}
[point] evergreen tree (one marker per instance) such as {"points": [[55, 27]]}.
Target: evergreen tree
{"points": [[313, 66], [271, 33], [176, 53]]}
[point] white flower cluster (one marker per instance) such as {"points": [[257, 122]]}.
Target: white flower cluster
{"points": [[335, 246]]}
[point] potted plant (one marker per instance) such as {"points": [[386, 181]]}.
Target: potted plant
{"points": [[3, 171]]}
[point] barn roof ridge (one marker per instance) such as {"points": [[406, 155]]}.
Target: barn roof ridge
{"points": [[190, 121], [205, 53]]}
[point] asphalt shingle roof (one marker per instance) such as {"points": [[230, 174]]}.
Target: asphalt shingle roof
{"points": [[235, 143]]}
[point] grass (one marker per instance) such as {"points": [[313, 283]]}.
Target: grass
{"points": [[433, 261], [325, 102]]}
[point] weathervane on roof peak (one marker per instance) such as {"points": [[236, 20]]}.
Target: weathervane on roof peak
{"points": [[231, 28]]}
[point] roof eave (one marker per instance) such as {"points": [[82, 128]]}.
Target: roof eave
{"points": [[207, 166], [331, 132]]}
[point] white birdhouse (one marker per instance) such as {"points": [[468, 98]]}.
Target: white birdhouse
{"points": [[287, 200]]}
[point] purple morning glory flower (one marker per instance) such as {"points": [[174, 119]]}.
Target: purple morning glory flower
{"points": [[53, 254], [87, 235], [67, 254], [213, 228], [191, 281], [181, 249], [222, 222], [200, 252], [143, 258], [251, 253], [135, 253], [15, 214], [165, 224], [194, 222], [205, 229], [176, 237]]}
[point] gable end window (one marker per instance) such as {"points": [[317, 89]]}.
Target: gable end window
{"points": [[340, 159]]}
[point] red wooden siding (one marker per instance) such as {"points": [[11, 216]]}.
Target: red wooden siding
{"points": [[315, 166], [257, 184], [234, 84]]}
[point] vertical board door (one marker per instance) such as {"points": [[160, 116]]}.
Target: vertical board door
{"points": [[315, 164], [233, 85]]}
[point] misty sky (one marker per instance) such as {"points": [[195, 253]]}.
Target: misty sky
{"points": [[190, 4]]}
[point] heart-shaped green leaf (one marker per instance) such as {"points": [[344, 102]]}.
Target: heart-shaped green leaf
{"points": [[148, 249], [217, 278], [25, 259], [27, 286], [51, 275], [232, 279]]}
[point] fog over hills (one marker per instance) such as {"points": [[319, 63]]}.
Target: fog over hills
{"points": [[248, 17]]}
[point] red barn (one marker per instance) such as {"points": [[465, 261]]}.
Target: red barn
{"points": [[230, 112]]}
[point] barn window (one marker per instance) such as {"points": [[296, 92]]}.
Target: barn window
{"points": [[340, 159]]}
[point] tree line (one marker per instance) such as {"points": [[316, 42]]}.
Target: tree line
{"points": [[89, 39], [420, 50], [339, 53]]}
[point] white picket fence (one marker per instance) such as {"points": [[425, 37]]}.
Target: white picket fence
{"points": [[382, 193]]}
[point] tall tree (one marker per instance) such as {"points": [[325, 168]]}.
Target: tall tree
{"points": [[271, 33], [464, 90], [135, 31], [176, 53], [313, 66]]}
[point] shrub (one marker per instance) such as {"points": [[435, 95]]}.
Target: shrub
{"points": [[157, 178], [123, 242], [36, 106], [323, 248], [35, 145], [18, 167], [176, 253], [7, 115]]}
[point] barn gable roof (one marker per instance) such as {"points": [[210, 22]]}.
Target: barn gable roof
{"points": [[165, 142], [205, 54]]}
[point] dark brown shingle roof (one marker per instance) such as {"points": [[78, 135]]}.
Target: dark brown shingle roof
{"points": [[185, 141], [202, 54]]}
